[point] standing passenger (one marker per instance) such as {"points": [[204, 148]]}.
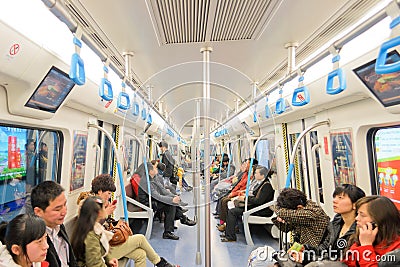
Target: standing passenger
{"points": [[169, 162]]}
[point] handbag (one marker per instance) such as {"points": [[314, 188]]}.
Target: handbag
{"points": [[121, 231]]}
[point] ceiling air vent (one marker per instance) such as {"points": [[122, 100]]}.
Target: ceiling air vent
{"points": [[190, 21]]}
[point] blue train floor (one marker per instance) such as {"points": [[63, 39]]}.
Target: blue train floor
{"points": [[183, 252]]}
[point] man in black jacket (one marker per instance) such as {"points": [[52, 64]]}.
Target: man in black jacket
{"points": [[49, 202], [169, 162]]}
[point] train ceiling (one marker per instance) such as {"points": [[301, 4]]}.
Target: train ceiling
{"points": [[247, 37]]}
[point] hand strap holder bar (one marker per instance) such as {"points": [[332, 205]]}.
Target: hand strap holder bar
{"points": [[337, 72], [77, 70], [280, 106], [106, 94], [123, 101], [381, 67], [301, 95]]}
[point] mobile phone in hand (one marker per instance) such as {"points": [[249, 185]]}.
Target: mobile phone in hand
{"points": [[373, 225], [114, 202]]}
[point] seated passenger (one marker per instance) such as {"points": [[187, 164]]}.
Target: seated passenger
{"points": [[303, 217], [50, 203], [238, 190], [223, 186], [223, 173], [25, 242], [260, 192], [377, 233], [340, 228], [162, 201], [136, 247]]}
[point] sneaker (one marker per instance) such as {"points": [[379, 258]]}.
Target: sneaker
{"points": [[169, 235], [164, 263], [187, 221]]}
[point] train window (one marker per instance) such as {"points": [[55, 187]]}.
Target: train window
{"points": [[27, 157], [385, 144], [131, 155], [265, 151]]}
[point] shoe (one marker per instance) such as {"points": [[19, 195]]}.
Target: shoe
{"points": [[188, 188], [187, 221], [183, 204], [169, 235], [221, 228], [175, 227], [216, 217], [225, 239], [215, 213], [164, 263], [222, 235]]}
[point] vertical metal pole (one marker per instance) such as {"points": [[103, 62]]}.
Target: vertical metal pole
{"points": [[206, 111], [196, 177]]}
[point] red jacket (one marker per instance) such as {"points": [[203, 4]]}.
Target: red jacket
{"points": [[372, 254], [240, 186]]}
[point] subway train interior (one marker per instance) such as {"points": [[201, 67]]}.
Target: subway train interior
{"points": [[309, 88]]}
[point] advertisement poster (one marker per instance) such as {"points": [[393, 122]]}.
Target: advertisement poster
{"points": [[387, 146], [78, 160], [342, 157]]}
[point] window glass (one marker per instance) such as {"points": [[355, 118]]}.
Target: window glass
{"points": [[265, 152], [27, 157], [387, 162]]}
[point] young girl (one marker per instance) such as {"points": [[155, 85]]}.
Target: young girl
{"points": [[90, 239], [25, 242], [377, 233]]}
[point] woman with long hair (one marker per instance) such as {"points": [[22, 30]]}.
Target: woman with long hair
{"points": [[25, 242], [90, 239], [377, 233]]}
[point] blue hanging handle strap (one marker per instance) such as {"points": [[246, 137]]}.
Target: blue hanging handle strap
{"points": [[77, 70], [289, 175], [267, 110], [301, 95], [337, 72], [106, 93], [280, 106], [123, 101], [381, 67], [144, 112]]}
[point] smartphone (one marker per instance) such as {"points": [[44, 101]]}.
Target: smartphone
{"points": [[114, 202], [373, 225]]}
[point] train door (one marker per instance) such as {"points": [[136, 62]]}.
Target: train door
{"points": [[106, 150], [306, 173]]}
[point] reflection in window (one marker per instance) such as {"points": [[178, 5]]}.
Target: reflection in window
{"points": [[27, 157]]}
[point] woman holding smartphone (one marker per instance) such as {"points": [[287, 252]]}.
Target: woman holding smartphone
{"points": [[377, 233]]}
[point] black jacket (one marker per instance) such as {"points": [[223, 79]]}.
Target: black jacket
{"points": [[52, 255], [332, 246], [263, 194], [169, 162]]}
